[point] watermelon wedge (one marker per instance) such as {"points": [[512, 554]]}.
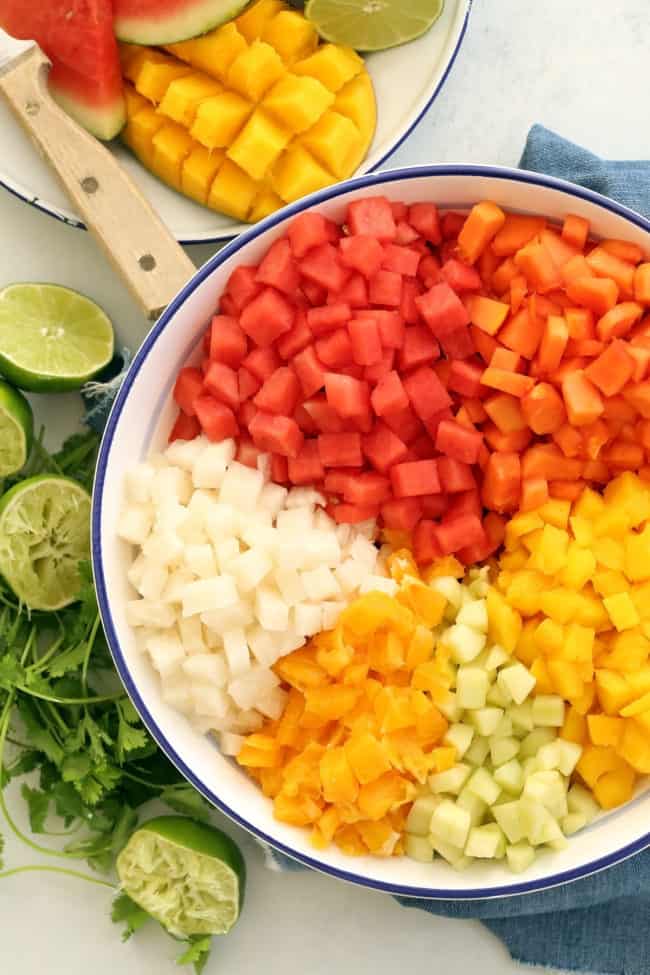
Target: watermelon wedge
{"points": [[78, 38], [169, 21]]}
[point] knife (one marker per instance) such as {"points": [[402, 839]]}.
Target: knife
{"points": [[133, 236]]}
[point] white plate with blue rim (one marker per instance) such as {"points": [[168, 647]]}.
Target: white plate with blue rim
{"points": [[407, 80]]}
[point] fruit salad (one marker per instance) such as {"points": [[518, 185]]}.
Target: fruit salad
{"points": [[396, 555]]}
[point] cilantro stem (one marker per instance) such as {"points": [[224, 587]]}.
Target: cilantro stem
{"points": [[90, 642], [63, 870], [100, 699]]}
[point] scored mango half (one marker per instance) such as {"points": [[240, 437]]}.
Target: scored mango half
{"points": [[252, 115]]}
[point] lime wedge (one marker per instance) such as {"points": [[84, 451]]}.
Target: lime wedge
{"points": [[16, 430], [372, 25], [44, 534], [51, 338], [188, 876]]}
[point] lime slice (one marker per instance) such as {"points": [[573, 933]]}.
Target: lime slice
{"points": [[51, 338], [188, 876], [16, 430], [372, 25], [44, 534]]}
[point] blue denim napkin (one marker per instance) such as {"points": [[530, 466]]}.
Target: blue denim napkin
{"points": [[599, 925]]}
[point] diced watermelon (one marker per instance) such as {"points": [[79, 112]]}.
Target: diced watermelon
{"points": [[336, 480], [366, 344], [451, 224], [458, 442], [304, 420], [419, 349], [217, 420], [279, 469], [454, 533], [280, 392], [246, 414], [401, 514], [433, 422], [362, 253], [261, 363], [405, 234], [352, 514], [267, 317], [309, 371], [189, 385], [298, 338], [279, 269], [434, 505], [383, 448], [401, 260], [373, 216], [425, 543], [227, 341], [314, 293], [465, 503], [352, 370], [248, 384], [367, 489], [426, 392], [413, 478], [243, 286], [458, 344], [354, 292], [247, 453], [461, 277], [442, 309], [185, 428], [408, 308], [335, 349], [309, 230], [378, 370], [323, 417], [423, 448], [389, 395], [227, 306], [385, 288], [404, 424], [399, 210], [306, 467], [328, 317], [221, 381], [276, 434], [349, 397], [340, 449], [454, 475], [429, 271], [362, 423], [465, 378], [424, 218], [323, 267]]}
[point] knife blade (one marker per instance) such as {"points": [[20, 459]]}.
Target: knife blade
{"points": [[11, 49]]}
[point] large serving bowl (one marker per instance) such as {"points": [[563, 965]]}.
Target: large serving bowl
{"points": [[141, 420]]}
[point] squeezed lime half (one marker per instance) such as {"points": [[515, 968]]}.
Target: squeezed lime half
{"points": [[44, 534], [187, 875], [372, 25], [16, 430], [52, 339]]}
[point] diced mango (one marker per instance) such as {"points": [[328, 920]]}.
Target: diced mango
{"points": [[171, 146], [183, 96], [232, 191], [219, 119], [332, 64], [504, 622], [637, 555], [580, 566], [258, 145], [292, 36], [574, 727], [634, 747], [604, 729], [155, 76], [596, 761], [555, 512], [565, 678], [614, 788], [213, 52], [298, 102], [252, 23], [609, 553], [621, 610]]}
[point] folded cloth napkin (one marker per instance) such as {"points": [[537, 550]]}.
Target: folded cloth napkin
{"points": [[601, 924]]}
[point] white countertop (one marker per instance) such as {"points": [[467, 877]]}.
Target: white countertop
{"points": [[577, 66]]}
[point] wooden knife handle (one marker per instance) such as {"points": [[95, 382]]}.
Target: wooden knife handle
{"points": [[136, 241]]}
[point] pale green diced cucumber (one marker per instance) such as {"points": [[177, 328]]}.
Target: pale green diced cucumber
{"points": [[560, 842], [419, 848], [548, 789], [419, 818], [580, 800], [504, 728], [559, 754], [474, 806], [539, 826], [496, 698], [460, 737], [486, 842], [573, 822], [451, 780], [448, 705], [464, 642], [521, 716], [516, 681], [451, 824], [520, 856], [496, 657], [483, 785], [485, 720], [509, 817], [474, 614], [510, 776], [548, 711], [471, 687], [450, 588], [502, 750], [534, 740], [478, 751], [455, 857]]}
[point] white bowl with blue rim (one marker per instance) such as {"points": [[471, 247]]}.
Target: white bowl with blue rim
{"points": [[140, 422], [407, 80]]}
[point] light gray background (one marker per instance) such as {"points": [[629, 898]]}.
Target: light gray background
{"points": [[577, 66]]}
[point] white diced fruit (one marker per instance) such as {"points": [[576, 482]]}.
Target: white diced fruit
{"points": [[272, 498], [146, 612], [239, 615], [153, 581], [208, 700], [200, 560], [450, 823], [177, 580], [464, 642], [252, 685], [548, 710], [517, 681], [502, 750], [226, 551], [138, 483], [221, 522], [185, 453], [460, 737], [271, 610], [572, 823], [191, 633], [350, 574], [520, 856], [471, 687], [486, 842], [485, 720], [273, 703], [379, 584], [176, 691], [306, 619], [231, 744], [250, 568], [291, 587], [209, 594], [321, 548], [208, 667], [474, 614], [451, 780], [264, 646], [331, 612], [304, 497], [171, 484], [362, 550], [235, 646], [510, 776], [483, 785], [166, 652], [320, 584], [163, 547], [134, 523], [295, 522], [136, 571], [419, 818], [210, 466], [580, 800]]}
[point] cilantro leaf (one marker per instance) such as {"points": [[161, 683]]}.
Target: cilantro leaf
{"points": [[126, 911], [38, 804], [69, 660], [185, 799], [197, 952], [130, 738]]}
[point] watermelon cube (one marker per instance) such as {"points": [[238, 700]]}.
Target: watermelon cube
{"points": [[188, 385], [246, 413], [306, 466], [336, 480], [458, 344], [434, 505], [419, 349], [385, 288], [309, 230], [401, 514], [404, 424], [372, 216], [460, 277], [465, 378], [433, 422], [228, 342], [401, 260], [248, 384], [335, 349], [314, 294], [276, 434], [425, 543], [323, 267], [426, 392], [185, 428], [451, 224], [465, 503], [217, 420], [328, 317], [261, 363], [454, 475], [354, 292], [352, 514], [413, 478], [366, 344], [389, 395], [455, 533], [247, 453], [380, 369], [458, 442], [279, 469], [429, 271], [323, 418], [304, 420], [243, 287], [424, 218], [408, 308], [222, 383], [309, 370], [362, 253], [423, 447], [294, 341], [280, 392], [348, 396], [405, 234], [279, 269], [383, 448], [442, 309], [340, 449], [367, 489], [268, 316]]}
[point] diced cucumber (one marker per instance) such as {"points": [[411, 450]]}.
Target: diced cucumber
{"points": [[559, 754], [502, 750], [419, 818], [448, 587], [504, 728], [474, 614], [580, 800], [516, 681], [464, 642], [474, 806], [486, 842], [478, 751], [521, 716], [538, 824], [549, 789], [510, 776], [485, 720], [448, 705], [509, 817], [520, 856], [496, 697], [462, 863], [471, 687], [451, 824], [451, 780], [573, 822], [548, 711], [460, 736], [482, 784], [534, 741], [419, 848], [496, 657], [549, 756]]}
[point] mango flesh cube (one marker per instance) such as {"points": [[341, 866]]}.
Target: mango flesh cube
{"points": [[332, 64], [171, 144], [254, 71], [199, 171], [184, 95], [212, 53], [140, 130], [356, 100], [220, 119], [297, 173], [253, 21], [621, 610], [335, 142], [134, 102], [259, 144], [133, 58], [298, 102], [155, 78], [266, 203], [292, 36], [233, 191]]}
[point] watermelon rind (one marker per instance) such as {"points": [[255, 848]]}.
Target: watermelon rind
{"points": [[191, 19], [105, 122]]}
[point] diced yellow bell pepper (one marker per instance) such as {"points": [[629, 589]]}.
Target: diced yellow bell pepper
{"points": [[580, 566], [555, 512], [505, 623]]}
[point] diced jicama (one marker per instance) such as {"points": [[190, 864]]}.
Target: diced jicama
{"points": [[250, 568], [450, 823], [241, 487], [134, 523], [138, 483], [177, 580], [363, 551], [273, 498], [145, 612], [177, 693], [295, 522], [254, 684], [219, 621], [200, 560], [166, 652], [209, 594], [306, 619], [163, 547], [231, 744], [226, 552], [153, 580], [211, 464], [171, 484], [331, 611], [350, 575], [271, 610], [209, 668], [235, 647], [221, 522], [272, 704], [209, 700], [486, 842], [320, 584], [185, 453], [264, 646], [375, 583]]}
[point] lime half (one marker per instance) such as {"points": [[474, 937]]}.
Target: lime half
{"points": [[372, 25], [16, 430], [51, 338], [44, 534], [188, 876]]}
